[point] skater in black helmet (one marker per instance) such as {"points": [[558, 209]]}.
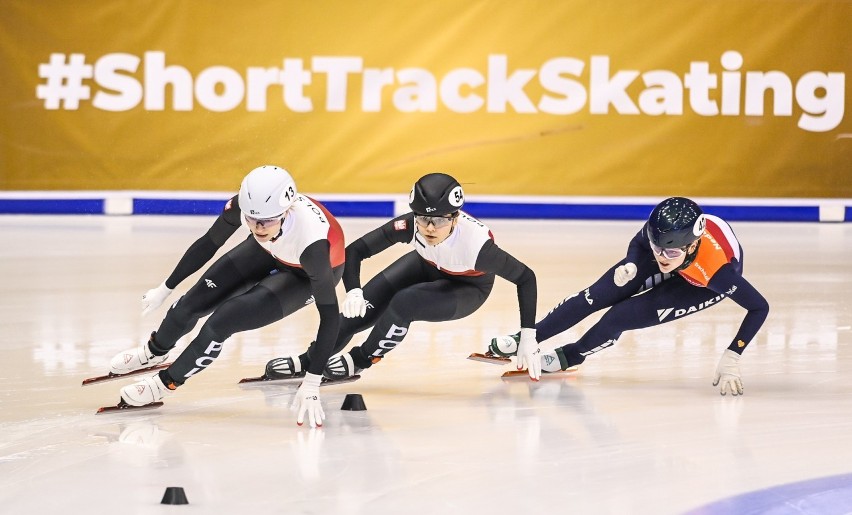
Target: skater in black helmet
{"points": [[681, 262], [447, 276], [295, 254]]}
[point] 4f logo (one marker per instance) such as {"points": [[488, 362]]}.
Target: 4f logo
{"points": [[210, 284]]}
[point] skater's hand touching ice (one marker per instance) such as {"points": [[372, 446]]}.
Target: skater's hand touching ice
{"points": [[728, 374], [529, 354], [307, 401]]}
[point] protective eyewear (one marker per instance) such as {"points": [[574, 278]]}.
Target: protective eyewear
{"points": [[263, 222], [437, 221], [668, 253]]}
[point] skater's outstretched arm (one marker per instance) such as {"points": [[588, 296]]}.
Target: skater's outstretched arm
{"points": [[200, 252], [494, 259], [728, 281], [196, 256], [398, 230], [315, 261]]}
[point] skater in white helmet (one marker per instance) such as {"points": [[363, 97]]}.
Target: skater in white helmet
{"points": [[296, 252]]}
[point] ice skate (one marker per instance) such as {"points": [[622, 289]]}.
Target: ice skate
{"points": [[340, 367], [553, 365], [145, 394], [287, 367], [135, 359], [147, 391], [131, 362], [499, 350], [505, 346], [288, 370], [280, 370]]}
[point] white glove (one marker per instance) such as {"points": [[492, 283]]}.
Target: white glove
{"points": [[307, 400], [624, 274], [529, 355], [728, 373], [154, 297], [354, 305]]}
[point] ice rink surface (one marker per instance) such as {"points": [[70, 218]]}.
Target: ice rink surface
{"points": [[637, 430]]}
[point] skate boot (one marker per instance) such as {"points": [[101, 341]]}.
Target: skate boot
{"points": [[340, 367], [148, 390], [557, 361], [505, 346], [136, 358], [287, 367]]}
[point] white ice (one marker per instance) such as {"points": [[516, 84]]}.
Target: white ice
{"points": [[638, 429]]}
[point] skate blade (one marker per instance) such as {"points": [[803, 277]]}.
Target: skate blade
{"points": [[520, 374], [267, 380], [113, 377], [123, 406], [263, 380], [331, 382], [489, 358]]}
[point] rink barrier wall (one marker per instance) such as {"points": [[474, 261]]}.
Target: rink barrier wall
{"points": [[486, 207]]}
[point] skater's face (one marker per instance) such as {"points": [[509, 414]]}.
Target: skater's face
{"points": [[435, 229], [666, 263], [264, 229]]}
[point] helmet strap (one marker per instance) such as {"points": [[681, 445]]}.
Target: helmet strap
{"points": [[280, 230], [690, 256], [453, 223]]}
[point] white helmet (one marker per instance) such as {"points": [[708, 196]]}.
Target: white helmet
{"points": [[266, 192]]}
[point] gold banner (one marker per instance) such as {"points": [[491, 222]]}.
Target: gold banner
{"points": [[730, 98]]}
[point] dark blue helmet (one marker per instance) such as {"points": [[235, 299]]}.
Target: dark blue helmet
{"points": [[675, 222], [436, 194]]}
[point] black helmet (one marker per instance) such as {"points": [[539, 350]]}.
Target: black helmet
{"points": [[436, 194], [675, 222]]}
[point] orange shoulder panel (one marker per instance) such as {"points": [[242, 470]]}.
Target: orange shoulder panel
{"points": [[709, 260]]}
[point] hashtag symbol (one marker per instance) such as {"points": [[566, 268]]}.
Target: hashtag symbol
{"points": [[64, 81]]}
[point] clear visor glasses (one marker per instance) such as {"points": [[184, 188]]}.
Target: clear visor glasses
{"points": [[668, 253], [263, 222], [437, 221]]}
